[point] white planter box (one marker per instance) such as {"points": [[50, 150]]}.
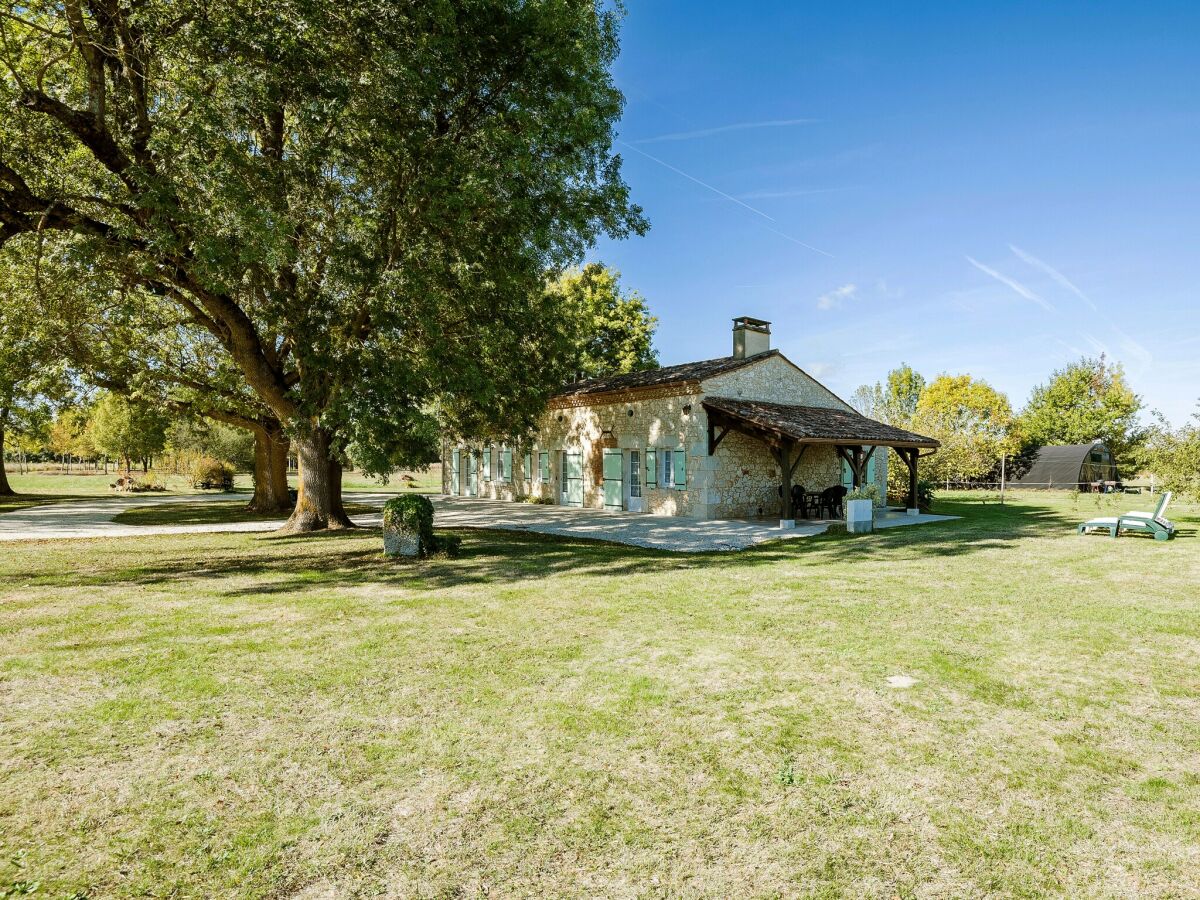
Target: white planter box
{"points": [[860, 516]]}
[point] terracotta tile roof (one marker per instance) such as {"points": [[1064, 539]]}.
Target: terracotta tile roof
{"points": [[815, 423], [655, 378]]}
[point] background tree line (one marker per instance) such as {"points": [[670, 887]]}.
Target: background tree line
{"points": [[1085, 401]]}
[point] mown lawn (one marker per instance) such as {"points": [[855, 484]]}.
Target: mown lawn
{"points": [[211, 512], [49, 485], [237, 715]]}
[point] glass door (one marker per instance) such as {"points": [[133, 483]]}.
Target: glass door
{"points": [[455, 465], [572, 478], [613, 478]]}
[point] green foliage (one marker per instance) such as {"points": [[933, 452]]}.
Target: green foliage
{"points": [[1086, 401], [868, 491], [612, 332], [1173, 455], [193, 436], [127, 429], [895, 403], [379, 450], [32, 376], [414, 513], [350, 206], [925, 494], [209, 473], [972, 420], [904, 388]]}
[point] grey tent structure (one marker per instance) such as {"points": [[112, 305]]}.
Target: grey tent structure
{"points": [[1067, 466]]}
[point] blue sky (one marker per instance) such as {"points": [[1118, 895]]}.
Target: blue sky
{"points": [[967, 187]]}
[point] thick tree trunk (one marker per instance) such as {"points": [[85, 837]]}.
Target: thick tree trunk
{"points": [[5, 488], [319, 503], [270, 471]]}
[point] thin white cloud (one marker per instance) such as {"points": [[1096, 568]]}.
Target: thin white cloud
{"points": [[1058, 276], [1011, 283], [1097, 345], [837, 296], [729, 197], [799, 192], [1142, 357], [1076, 351], [724, 129]]}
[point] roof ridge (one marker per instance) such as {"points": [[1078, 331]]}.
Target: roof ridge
{"points": [[662, 376]]}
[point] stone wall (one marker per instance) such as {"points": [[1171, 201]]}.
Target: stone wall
{"points": [[741, 479], [775, 380]]}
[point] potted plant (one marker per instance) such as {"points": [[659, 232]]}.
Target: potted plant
{"points": [[860, 508]]}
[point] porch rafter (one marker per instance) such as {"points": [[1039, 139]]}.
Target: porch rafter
{"points": [[784, 428]]}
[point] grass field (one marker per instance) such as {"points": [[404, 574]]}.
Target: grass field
{"points": [[236, 715], [51, 486], [211, 512]]}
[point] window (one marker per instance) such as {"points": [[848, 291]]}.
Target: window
{"points": [[668, 469], [505, 465], [635, 473], [544, 466], [562, 474], [527, 472], [651, 468], [680, 467], [487, 464]]}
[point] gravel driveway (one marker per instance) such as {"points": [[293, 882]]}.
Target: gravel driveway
{"points": [[75, 519]]}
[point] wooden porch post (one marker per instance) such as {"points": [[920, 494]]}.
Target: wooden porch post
{"points": [[785, 467]]}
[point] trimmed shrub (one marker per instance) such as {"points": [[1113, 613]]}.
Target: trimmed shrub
{"points": [[209, 474], [925, 495], [412, 514], [127, 484]]}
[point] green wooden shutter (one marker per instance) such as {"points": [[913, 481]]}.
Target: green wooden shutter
{"points": [[544, 462], [527, 475], [680, 473], [506, 465], [487, 464], [651, 468]]}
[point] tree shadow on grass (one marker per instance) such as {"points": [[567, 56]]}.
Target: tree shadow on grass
{"points": [[11, 502], [279, 564]]}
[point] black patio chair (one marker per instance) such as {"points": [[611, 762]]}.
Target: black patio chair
{"points": [[798, 501], [832, 499]]}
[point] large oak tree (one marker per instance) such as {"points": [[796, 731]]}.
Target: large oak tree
{"points": [[357, 200]]}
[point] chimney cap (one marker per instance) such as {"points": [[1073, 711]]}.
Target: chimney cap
{"points": [[752, 323]]}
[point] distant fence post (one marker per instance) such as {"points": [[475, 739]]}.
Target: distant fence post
{"points": [[1003, 460]]}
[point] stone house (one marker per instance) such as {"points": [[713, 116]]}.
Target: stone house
{"points": [[720, 438]]}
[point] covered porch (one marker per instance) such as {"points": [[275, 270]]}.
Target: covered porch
{"points": [[789, 431]]}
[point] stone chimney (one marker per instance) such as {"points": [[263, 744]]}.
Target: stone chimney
{"points": [[750, 337]]}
